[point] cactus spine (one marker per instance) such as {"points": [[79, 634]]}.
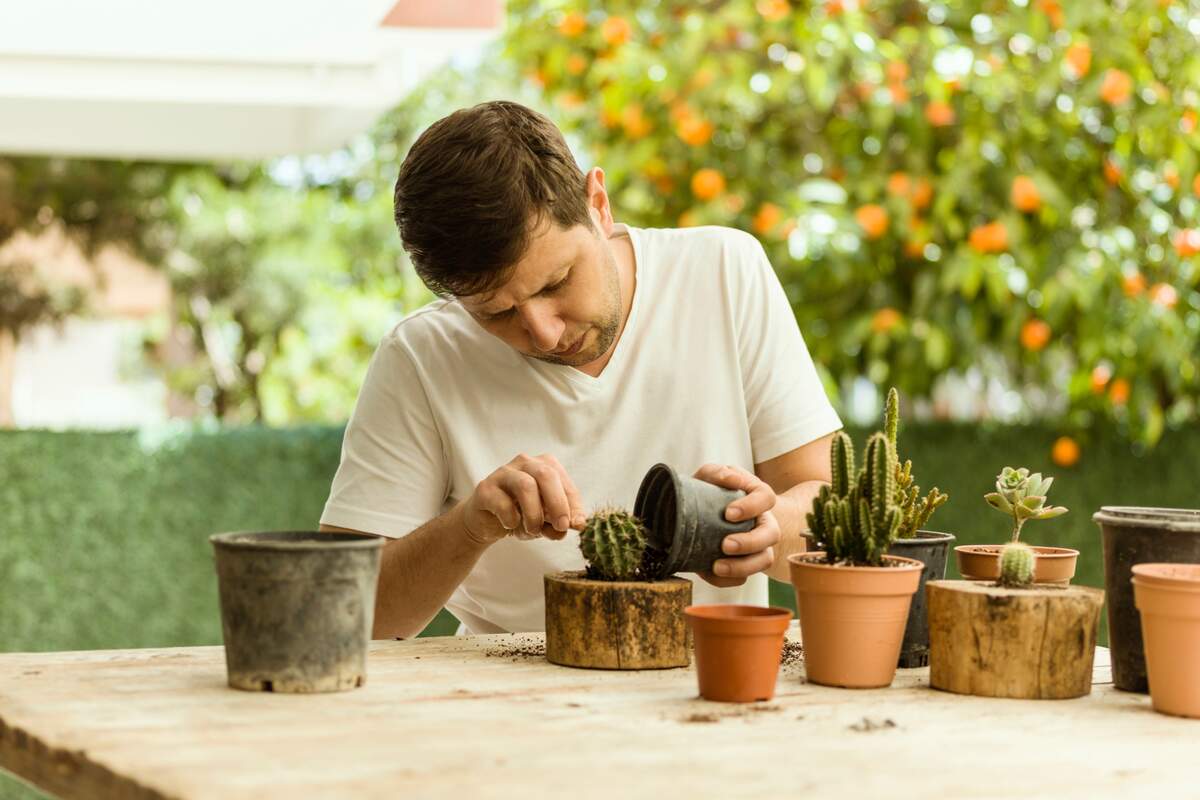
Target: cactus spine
{"points": [[614, 544], [855, 519], [1016, 565], [917, 510]]}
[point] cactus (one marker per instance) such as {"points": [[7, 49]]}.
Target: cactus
{"points": [[614, 544], [1023, 497], [917, 509], [1016, 565], [855, 518]]}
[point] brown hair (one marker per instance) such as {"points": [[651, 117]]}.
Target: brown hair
{"points": [[473, 189]]}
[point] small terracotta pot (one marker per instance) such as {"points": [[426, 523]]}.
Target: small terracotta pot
{"points": [[738, 649], [1168, 598], [852, 618], [981, 562]]}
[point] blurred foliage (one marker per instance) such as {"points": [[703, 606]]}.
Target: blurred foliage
{"points": [[1003, 190]]}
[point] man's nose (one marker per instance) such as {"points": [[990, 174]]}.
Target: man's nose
{"points": [[543, 325]]}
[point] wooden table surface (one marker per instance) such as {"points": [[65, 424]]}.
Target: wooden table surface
{"points": [[489, 717]]}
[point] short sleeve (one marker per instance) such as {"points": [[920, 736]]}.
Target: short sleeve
{"points": [[785, 401], [392, 477]]}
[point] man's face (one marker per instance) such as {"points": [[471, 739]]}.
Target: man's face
{"points": [[562, 303]]}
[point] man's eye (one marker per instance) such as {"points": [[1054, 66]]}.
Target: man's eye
{"points": [[558, 285], [499, 316]]}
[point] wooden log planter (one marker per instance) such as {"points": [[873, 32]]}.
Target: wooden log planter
{"points": [[617, 624], [991, 641]]}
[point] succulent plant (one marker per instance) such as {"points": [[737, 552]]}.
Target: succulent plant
{"points": [[917, 509], [1016, 565], [613, 542], [1023, 497], [856, 518]]}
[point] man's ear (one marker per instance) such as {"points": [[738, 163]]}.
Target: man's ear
{"points": [[597, 200]]}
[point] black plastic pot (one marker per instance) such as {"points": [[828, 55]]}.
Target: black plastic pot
{"points": [[931, 549], [685, 519], [296, 608], [1133, 535]]}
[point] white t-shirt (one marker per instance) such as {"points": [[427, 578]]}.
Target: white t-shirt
{"points": [[709, 368]]}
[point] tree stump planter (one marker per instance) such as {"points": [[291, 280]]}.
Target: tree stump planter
{"points": [[991, 641], [617, 624]]}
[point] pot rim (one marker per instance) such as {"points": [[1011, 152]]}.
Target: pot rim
{"points": [[922, 537], [580, 575], [729, 612], [805, 560], [1178, 520], [314, 540], [1154, 574], [1043, 551]]}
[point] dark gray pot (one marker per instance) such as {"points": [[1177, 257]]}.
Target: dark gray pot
{"points": [[296, 608], [685, 519], [931, 549], [1133, 535]]}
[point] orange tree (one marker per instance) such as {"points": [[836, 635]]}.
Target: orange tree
{"points": [[1004, 190]]}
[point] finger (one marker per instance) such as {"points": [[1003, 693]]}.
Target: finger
{"points": [[574, 499], [765, 534], [523, 489], [495, 501], [760, 498], [744, 566], [723, 583], [711, 473], [554, 497]]}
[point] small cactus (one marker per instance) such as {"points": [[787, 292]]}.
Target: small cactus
{"points": [[1016, 565], [1023, 497], [855, 519], [614, 544], [917, 509]]}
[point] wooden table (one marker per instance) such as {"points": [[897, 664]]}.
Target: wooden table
{"points": [[489, 717]]}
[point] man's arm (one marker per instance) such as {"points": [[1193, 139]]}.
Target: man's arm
{"points": [[796, 477]]}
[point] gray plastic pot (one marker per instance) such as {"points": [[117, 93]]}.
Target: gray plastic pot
{"points": [[931, 549], [685, 519], [1133, 535], [296, 608]]}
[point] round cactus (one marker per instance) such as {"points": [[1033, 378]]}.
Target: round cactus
{"points": [[614, 543], [1016, 565]]}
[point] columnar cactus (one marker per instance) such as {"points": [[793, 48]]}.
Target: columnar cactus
{"points": [[1023, 497], [614, 544], [917, 510], [855, 519], [1016, 565]]}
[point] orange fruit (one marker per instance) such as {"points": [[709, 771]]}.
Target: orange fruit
{"points": [[897, 71], [922, 194], [576, 64], [569, 100], [1171, 176], [1079, 58], [1188, 122], [939, 114], [1101, 375], [1118, 393], [898, 184], [1035, 335], [885, 319], [915, 247], [1054, 11], [899, 93], [1164, 294], [1196, 184], [773, 10], [573, 24], [1187, 242], [1065, 452], [1112, 173], [834, 8], [873, 219], [1025, 195], [1116, 87], [616, 31], [634, 122], [767, 217], [708, 183], [703, 77], [609, 118], [695, 131], [989, 238], [1133, 284]]}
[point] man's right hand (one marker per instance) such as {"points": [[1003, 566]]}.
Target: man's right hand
{"points": [[528, 497]]}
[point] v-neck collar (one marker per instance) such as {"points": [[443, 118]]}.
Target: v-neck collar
{"points": [[581, 378]]}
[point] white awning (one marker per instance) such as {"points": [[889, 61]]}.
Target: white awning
{"points": [[176, 80]]}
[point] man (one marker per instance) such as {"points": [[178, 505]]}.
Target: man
{"points": [[568, 355]]}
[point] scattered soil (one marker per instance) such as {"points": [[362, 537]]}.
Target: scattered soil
{"points": [[701, 718], [868, 725], [520, 648], [766, 708], [793, 653]]}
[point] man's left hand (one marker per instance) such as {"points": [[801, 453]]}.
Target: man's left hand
{"points": [[753, 551]]}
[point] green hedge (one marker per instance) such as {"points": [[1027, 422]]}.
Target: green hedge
{"points": [[103, 536]]}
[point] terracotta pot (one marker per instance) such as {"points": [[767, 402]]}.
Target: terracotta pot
{"points": [[1168, 598], [981, 562], [852, 618], [737, 650]]}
